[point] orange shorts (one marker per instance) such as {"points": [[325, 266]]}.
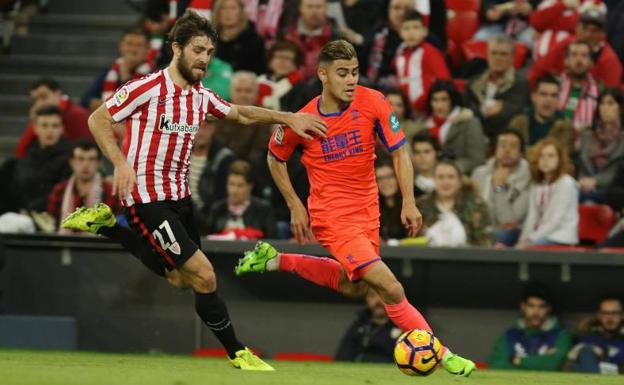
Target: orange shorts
{"points": [[356, 247]]}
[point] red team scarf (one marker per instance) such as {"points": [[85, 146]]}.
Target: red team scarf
{"points": [[434, 131], [588, 99]]}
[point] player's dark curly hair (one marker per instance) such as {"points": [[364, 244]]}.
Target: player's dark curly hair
{"points": [[191, 24]]}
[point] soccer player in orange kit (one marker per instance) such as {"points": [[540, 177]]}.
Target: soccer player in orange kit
{"points": [[343, 203]]}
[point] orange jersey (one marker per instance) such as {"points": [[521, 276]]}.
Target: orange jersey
{"points": [[341, 167]]}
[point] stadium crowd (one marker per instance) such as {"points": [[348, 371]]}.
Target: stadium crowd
{"points": [[536, 341], [513, 112]]}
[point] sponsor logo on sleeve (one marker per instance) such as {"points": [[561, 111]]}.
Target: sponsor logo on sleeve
{"points": [[394, 123], [121, 96], [279, 135]]}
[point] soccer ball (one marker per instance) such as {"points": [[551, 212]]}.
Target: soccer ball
{"points": [[417, 352]]}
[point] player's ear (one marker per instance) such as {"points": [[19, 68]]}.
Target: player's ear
{"points": [[176, 48], [322, 73]]}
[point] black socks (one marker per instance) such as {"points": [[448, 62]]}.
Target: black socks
{"points": [[211, 309]]}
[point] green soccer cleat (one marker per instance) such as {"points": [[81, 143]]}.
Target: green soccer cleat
{"points": [[246, 360], [90, 219], [457, 365], [255, 261]]}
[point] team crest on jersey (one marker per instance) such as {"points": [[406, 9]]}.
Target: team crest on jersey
{"points": [[166, 125], [121, 96], [394, 123], [279, 135], [175, 248]]}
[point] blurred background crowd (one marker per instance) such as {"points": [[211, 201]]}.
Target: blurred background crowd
{"points": [[513, 112]]}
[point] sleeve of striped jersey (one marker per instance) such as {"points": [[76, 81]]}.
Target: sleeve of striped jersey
{"points": [[129, 98], [387, 125], [283, 142], [217, 108]]}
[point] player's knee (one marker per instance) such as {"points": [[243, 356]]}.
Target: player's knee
{"points": [[205, 280], [359, 290], [177, 281], [392, 292], [350, 289]]}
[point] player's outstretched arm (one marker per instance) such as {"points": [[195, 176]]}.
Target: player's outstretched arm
{"points": [[304, 125], [299, 220], [410, 216], [101, 127]]}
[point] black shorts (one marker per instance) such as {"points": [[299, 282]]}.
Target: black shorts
{"points": [[169, 227]]}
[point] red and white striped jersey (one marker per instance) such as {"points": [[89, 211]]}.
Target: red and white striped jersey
{"points": [[161, 122], [417, 68]]}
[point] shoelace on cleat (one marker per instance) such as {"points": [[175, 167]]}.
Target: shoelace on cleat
{"points": [[251, 358]]}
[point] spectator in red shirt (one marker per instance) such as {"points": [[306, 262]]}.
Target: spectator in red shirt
{"points": [[284, 60], [132, 64], [417, 63], [47, 92], [311, 30], [553, 21], [380, 46], [85, 187], [557, 15], [591, 28]]}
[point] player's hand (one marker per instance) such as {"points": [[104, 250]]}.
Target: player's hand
{"points": [[124, 180], [411, 218], [304, 124], [300, 223]]}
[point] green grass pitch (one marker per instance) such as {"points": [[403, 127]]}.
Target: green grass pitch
{"points": [[52, 368]]}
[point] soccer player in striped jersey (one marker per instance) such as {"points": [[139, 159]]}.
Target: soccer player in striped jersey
{"points": [[343, 205], [162, 113]]}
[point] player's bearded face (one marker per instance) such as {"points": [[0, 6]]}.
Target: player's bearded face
{"points": [[341, 76], [194, 59]]}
